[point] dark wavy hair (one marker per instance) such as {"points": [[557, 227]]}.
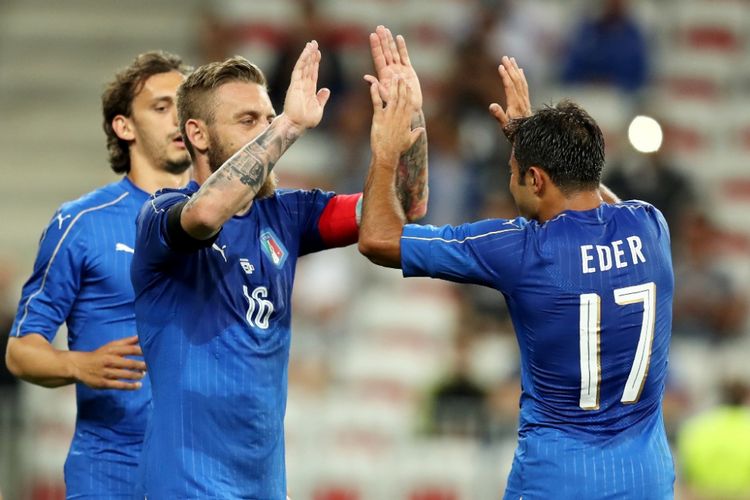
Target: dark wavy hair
{"points": [[195, 95], [118, 96], [564, 141]]}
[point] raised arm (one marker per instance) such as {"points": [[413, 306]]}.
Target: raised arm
{"points": [[33, 359], [383, 217], [390, 57], [234, 185]]}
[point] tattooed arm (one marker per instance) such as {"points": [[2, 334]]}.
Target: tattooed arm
{"points": [[411, 177], [390, 58], [233, 186]]}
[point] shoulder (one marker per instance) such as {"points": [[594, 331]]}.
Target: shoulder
{"points": [[165, 198], [286, 196], [636, 206], [77, 212]]}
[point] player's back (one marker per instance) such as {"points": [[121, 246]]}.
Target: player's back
{"points": [[592, 312]]}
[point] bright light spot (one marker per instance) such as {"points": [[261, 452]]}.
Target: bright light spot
{"points": [[645, 134]]}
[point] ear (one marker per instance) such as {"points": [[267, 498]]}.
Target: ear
{"points": [[537, 178], [197, 134], [123, 127]]}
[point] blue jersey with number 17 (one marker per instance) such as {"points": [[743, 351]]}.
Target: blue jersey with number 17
{"points": [[590, 296]]}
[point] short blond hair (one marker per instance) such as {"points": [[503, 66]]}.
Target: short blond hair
{"points": [[195, 95]]}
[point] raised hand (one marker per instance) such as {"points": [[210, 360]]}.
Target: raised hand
{"points": [[391, 58], [303, 105], [516, 93], [105, 367], [391, 132]]}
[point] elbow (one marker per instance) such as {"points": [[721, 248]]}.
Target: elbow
{"points": [[367, 245], [380, 251], [11, 361], [201, 221]]}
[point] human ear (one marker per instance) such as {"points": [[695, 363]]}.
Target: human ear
{"points": [[197, 134], [123, 128]]}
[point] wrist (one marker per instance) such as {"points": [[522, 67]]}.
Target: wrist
{"points": [[386, 159], [289, 125], [71, 360]]}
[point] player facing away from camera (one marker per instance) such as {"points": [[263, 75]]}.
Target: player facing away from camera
{"points": [[589, 285], [82, 277], [213, 273]]}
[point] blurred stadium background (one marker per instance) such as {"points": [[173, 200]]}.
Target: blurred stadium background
{"points": [[408, 389]]}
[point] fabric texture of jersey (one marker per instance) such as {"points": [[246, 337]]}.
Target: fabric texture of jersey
{"points": [[590, 297], [215, 331], [82, 277]]}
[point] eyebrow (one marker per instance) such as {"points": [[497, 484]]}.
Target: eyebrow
{"points": [[251, 112], [164, 98]]}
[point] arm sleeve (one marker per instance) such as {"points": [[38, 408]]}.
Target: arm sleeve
{"points": [[50, 292], [324, 219], [159, 234], [486, 253]]}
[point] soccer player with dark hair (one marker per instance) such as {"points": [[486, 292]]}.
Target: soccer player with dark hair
{"points": [[82, 277], [588, 281], [213, 273]]}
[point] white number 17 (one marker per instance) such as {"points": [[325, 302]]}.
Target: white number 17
{"points": [[590, 338]]}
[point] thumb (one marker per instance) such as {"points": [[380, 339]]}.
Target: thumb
{"points": [[323, 95], [497, 111], [415, 135]]}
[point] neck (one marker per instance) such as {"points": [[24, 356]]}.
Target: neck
{"points": [[153, 180], [578, 201]]}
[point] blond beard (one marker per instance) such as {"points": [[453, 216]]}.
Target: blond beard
{"points": [[268, 188]]}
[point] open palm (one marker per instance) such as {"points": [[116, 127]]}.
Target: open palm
{"points": [[391, 59], [303, 104]]}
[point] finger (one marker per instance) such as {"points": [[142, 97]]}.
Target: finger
{"points": [[516, 76], [377, 102], [383, 91], [510, 89], [315, 66], [299, 65], [323, 95], [415, 135], [497, 111], [115, 374], [376, 49], [392, 47], [120, 385], [402, 52], [126, 363], [383, 35], [124, 341], [127, 350]]}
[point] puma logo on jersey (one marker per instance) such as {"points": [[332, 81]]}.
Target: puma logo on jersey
{"points": [[122, 247], [220, 250], [61, 219]]}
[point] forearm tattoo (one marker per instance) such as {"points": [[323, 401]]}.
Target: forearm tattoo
{"points": [[411, 182], [252, 164]]}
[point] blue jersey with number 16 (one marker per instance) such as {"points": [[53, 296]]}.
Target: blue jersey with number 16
{"points": [[590, 296]]}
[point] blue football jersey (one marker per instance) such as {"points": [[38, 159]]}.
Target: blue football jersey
{"points": [[82, 277], [590, 297], [215, 331]]}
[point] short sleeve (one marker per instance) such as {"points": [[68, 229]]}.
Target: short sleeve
{"points": [[151, 244], [50, 292], [305, 209], [486, 253]]}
